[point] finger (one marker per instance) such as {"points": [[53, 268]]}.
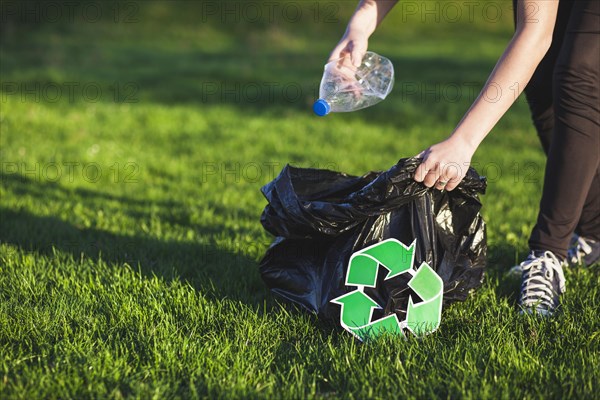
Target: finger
{"points": [[432, 177], [335, 55], [453, 174], [447, 174], [440, 184], [339, 52], [421, 171], [423, 168], [357, 52], [453, 183], [357, 56]]}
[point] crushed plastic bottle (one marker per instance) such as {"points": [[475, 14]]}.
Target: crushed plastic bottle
{"points": [[345, 87]]}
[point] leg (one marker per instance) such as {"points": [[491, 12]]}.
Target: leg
{"points": [[589, 223], [571, 180], [539, 89]]}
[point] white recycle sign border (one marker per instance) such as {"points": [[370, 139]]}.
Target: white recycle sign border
{"points": [[411, 305]]}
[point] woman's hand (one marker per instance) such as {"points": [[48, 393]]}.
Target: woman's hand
{"points": [[368, 14], [445, 164], [353, 44]]}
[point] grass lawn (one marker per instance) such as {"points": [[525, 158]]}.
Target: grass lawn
{"points": [[133, 150]]}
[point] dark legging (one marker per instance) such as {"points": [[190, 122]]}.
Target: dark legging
{"points": [[564, 98]]}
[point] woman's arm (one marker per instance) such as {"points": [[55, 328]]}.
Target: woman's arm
{"points": [[448, 161], [367, 16]]}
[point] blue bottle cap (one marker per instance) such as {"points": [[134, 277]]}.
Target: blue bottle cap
{"points": [[321, 108]]}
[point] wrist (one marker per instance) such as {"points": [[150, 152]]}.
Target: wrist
{"points": [[464, 141], [358, 33], [364, 21]]}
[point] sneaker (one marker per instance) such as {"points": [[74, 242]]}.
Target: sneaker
{"points": [[543, 282], [583, 252]]}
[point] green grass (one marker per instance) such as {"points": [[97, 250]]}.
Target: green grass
{"points": [[143, 281]]}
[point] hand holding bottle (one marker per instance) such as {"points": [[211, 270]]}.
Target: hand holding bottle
{"points": [[353, 44], [345, 87]]}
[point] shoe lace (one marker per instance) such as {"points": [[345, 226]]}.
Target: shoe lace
{"points": [[580, 249], [538, 276]]}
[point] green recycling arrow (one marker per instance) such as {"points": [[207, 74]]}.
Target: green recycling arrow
{"points": [[357, 310], [391, 254], [357, 307], [426, 316]]}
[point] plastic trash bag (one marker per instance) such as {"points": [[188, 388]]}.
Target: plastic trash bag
{"points": [[321, 217]]}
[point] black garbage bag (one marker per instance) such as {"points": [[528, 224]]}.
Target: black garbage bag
{"points": [[321, 217]]}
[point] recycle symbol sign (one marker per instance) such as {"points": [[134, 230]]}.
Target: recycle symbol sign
{"points": [[422, 318]]}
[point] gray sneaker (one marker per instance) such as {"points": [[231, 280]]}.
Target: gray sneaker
{"points": [[583, 252], [542, 283]]}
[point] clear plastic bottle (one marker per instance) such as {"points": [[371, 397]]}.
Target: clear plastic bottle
{"points": [[345, 87]]}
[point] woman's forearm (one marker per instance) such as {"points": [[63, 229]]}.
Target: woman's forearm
{"points": [[369, 14], [511, 74], [445, 164]]}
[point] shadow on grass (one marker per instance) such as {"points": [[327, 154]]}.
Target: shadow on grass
{"points": [[501, 258], [259, 79], [207, 267], [252, 83]]}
